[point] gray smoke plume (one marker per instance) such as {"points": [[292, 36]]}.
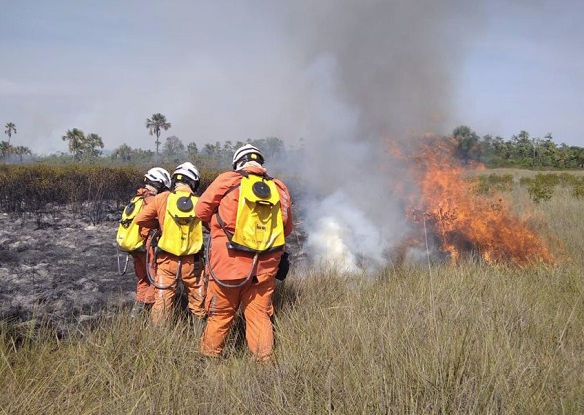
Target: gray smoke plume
{"points": [[373, 71]]}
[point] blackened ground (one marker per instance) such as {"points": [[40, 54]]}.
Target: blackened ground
{"points": [[58, 268]]}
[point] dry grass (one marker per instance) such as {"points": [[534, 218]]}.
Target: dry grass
{"points": [[531, 173], [448, 339]]}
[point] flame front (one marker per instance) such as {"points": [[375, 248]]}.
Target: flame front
{"points": [[461, 222]]}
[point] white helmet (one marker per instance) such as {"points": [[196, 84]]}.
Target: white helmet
{"points": [[247, 153], [187, 171], [158, 175]]}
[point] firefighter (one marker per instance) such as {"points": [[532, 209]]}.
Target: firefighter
{"points": [[179, 245], [239, 276], [156, 181]]}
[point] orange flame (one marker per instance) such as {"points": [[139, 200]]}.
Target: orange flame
{"points": [[461, 222]]}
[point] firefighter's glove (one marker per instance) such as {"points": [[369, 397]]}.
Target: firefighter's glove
{"points": [[283, 268]]}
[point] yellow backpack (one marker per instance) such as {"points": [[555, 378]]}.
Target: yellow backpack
{"points": [[259, 226], [128, 236], [183, 231]]}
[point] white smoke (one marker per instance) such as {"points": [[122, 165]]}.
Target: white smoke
{"points": [[341, 236], [374, 70]]}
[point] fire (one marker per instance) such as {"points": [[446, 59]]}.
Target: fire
{"points": [[460, 222]]}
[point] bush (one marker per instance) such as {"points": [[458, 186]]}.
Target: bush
{"points": [[30, 188], [494, 182]]}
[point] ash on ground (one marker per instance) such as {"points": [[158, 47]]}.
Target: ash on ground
{"points": [[58, 268]]}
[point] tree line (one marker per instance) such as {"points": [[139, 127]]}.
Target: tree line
{"points": [[217, 155], [521, 150], [81, 146]]}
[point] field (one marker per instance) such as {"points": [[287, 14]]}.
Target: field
{"points": [[422, 339]]}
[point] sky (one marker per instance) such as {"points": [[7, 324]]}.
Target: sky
{"points": [[231, 70], [524, 70]]}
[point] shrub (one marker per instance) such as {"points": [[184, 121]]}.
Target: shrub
{"points": [[30, 188], [542, 187]]}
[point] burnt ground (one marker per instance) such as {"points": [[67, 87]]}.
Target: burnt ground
{"points": [[58, 268]]}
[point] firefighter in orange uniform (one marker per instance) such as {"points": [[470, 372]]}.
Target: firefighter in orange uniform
{"points": [[156, 180], [237, 275], [179, 246]]}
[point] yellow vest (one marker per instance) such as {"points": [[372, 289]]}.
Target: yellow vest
{"points": [[183, 231]]}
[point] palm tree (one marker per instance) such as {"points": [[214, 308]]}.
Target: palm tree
{"points": [[155, 125], [5, 150], [92, 145], [10, 129], [21, 151], [76, 140]]}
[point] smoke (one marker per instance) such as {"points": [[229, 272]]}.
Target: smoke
{"points": [[342, 235], [373, 71]]}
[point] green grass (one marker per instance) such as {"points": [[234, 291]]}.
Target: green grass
{"points": [[445, 339]]}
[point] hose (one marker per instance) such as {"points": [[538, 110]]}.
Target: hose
{"points": [[221, 283], [153, 235], [120, 271]]}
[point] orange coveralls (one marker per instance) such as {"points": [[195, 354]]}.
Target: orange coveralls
{"points": [[144, 290], [152, 217], [232, 267]]}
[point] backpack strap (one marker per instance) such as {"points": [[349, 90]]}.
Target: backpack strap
{"points": [[246, 174], [219, 219], [222, 224]]}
